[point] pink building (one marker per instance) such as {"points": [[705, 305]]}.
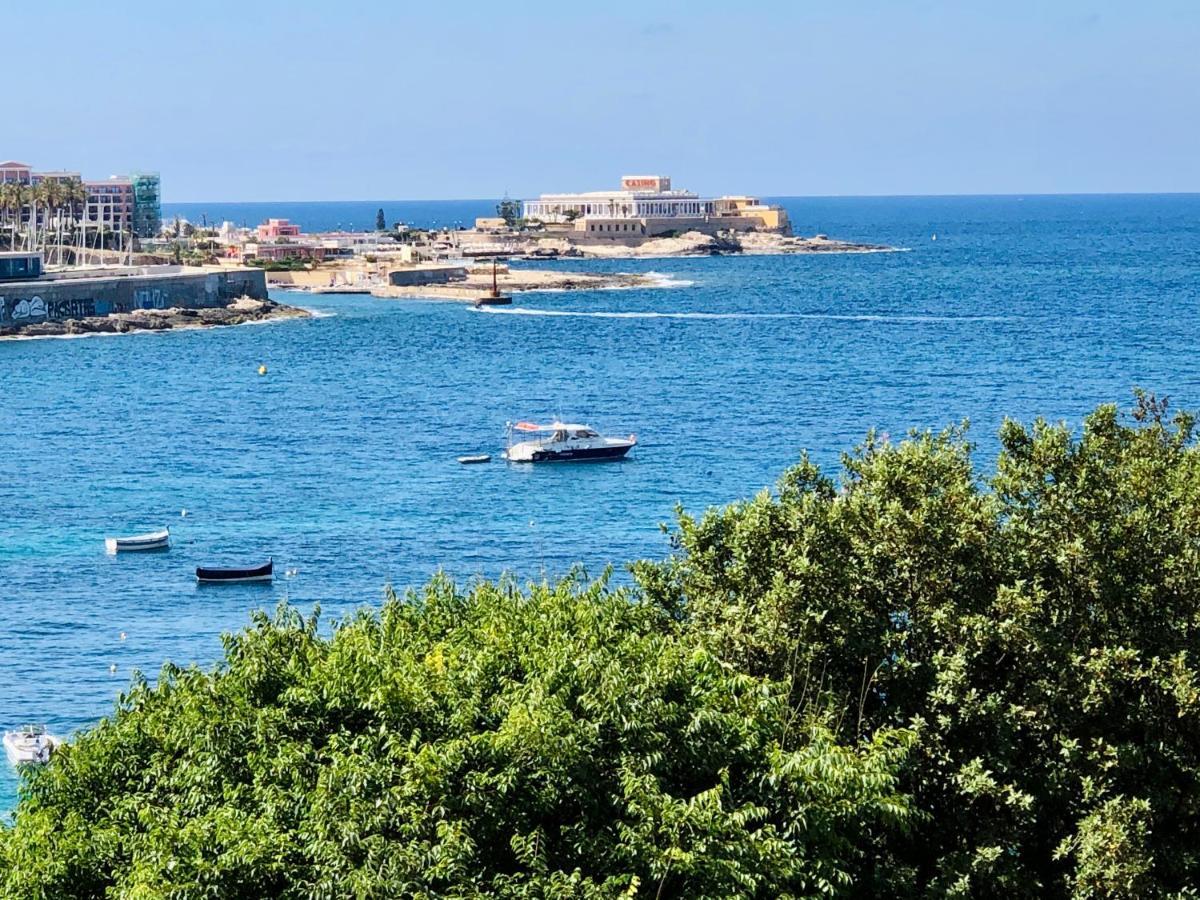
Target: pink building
{"points": [[109, 202], [15, 172], [277, 228]]}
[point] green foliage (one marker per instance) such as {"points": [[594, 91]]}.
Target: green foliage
{"points": [[287, 264], [380, 220], [1038, 631], [509, 210], [567, 741]]}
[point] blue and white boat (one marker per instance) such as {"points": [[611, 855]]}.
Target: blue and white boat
{"points": [[563, 442], [153, 540], [29, 745]]}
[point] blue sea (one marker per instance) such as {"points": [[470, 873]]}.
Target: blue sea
{"points": [[340, 462]]}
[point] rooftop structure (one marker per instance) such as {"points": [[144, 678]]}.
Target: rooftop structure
{"points": [[277, 228]]}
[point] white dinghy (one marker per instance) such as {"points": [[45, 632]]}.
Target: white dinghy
{"points": [[152, 540]]}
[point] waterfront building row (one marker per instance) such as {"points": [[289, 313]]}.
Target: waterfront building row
{"points": [[648, 205], [131, 203]]}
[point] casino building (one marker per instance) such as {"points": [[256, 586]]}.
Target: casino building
{"points": [[646, 205]]}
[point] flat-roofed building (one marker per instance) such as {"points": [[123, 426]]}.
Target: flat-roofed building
{"points": [[277, 228], [14, 172], [646, 205], [118, 203], [18, 266]]}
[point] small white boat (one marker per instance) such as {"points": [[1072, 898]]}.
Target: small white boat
{"points": [[562, 442], [475, 460], [153, 540], [30, 744]]}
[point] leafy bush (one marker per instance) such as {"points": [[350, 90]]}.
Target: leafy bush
{"points": [[568, 742], [1039, 631]]}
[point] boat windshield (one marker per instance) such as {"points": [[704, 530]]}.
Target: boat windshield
{"points": [[584, 433]]}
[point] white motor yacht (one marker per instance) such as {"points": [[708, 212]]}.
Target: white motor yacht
{"points": [[29, 744], [563, 442]]}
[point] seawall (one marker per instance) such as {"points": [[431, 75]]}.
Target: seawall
{"points": [[90, 295]]}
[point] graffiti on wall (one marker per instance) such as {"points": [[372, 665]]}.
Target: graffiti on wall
{"points": [[36, 309], [154, 298]]}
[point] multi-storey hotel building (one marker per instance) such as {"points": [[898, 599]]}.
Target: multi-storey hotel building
{"points": [[647, 205], [119, 203]]}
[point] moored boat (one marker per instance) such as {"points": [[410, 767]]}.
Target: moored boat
{"points": [[495, 298], [213, 575], [152, 540], [563, 442], [475, 459], [29, 744]]}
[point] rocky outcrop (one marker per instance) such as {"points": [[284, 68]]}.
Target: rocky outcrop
{"points": [[695, 243], [241, 311]]}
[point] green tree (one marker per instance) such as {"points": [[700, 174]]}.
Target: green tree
{"points": [[510, 211], [565, 741], [1039, 630], [380, 220]]}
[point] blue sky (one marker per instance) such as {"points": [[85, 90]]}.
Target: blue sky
{"points": [[272, 100]]}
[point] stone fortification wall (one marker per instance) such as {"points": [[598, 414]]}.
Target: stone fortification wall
{"points": [[56, 300]]}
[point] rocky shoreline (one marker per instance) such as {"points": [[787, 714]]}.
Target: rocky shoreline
{"points": [[695, 243], [239, 312], [514, 281]]}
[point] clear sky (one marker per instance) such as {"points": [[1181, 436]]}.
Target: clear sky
{"points": [[375, 99]]}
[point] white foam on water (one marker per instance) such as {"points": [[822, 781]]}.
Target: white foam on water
{"points": [[662, 279]]}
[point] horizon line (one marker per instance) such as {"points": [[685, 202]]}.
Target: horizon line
{"points": [[770, 196]]}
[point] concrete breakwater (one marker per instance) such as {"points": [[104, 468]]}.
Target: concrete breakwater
{"points": [[131, 299], [96, 293]]}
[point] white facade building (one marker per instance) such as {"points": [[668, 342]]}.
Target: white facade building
{"points": [[646, 205], [640, 197]]}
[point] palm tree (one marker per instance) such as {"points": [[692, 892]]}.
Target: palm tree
{"points": [[73, 194], [18, 195], [51, 195], [37, 197], [6, 206]]}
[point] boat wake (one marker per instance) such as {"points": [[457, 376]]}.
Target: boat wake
{"points": [[662, 279], [707, 316]]}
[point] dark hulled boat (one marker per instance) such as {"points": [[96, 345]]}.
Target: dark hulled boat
{"points": [[495, 298], [236, 576]]}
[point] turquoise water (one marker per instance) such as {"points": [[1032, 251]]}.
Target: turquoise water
{"points": [[340, 462]]}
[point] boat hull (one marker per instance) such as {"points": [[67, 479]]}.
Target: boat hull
{"points": [[498, 300], [235, 576], [579, 454], [158, 540]]}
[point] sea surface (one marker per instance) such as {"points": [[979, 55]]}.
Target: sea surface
{"points": [[340, 462]]}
